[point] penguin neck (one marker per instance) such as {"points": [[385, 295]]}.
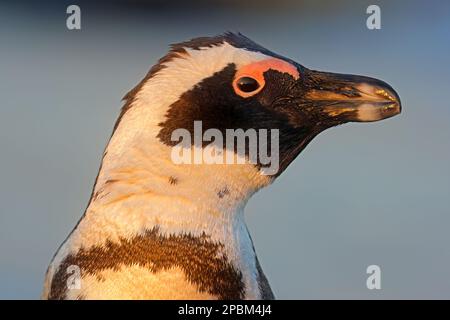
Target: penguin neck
{"points": [[193, 199], [175, 204]]}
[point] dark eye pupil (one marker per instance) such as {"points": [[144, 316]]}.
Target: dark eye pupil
{"points": [[247, 84]]}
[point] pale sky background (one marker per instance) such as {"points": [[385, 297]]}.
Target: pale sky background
{"points": [[360, 194]]}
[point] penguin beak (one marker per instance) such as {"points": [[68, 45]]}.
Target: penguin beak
{"points": [[344, 98]]}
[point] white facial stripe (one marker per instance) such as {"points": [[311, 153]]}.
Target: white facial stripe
{"points": [[218, 57], [167, 85]]}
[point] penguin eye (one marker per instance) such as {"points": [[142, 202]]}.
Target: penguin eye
{"points": [[247, 84]]}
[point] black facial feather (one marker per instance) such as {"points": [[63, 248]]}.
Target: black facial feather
{"points": [[201, 260], [214, 102], [177, 50]]}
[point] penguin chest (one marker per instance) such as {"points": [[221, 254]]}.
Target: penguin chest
{"points": [[150, 266], [138, 283]]}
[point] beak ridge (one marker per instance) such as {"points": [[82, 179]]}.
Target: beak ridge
{"points": [[351, 98]]}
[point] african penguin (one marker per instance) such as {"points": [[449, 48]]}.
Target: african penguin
{"points": [[155, 229]]}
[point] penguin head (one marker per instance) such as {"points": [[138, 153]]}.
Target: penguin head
{"points": [[229, 82]]}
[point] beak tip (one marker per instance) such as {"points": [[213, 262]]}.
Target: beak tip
{"points": [[386, 104], [395, 108]]}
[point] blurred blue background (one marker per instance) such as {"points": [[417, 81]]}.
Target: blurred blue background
{"points": [[360, 194]]}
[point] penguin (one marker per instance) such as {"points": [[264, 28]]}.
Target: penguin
{"points": [[157, 229]]}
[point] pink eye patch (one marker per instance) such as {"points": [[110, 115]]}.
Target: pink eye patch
{"points": [[256, 71]]}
